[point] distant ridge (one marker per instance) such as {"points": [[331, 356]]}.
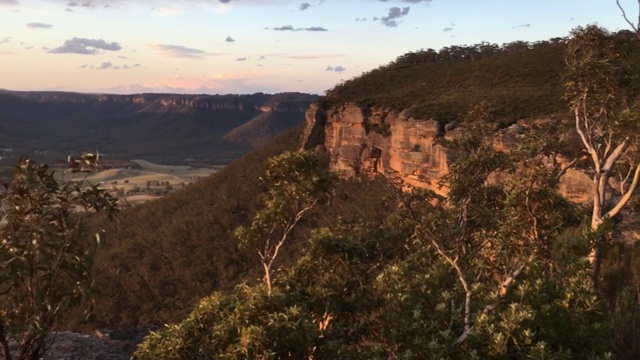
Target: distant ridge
{"points": [[163, 128]]}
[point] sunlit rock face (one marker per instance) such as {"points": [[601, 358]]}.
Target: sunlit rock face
{"points": [[379, 141], [407, 151]]}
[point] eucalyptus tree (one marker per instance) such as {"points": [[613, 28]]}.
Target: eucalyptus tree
{"points": [[602, 89]]}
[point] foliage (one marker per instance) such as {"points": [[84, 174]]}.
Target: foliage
{"points": [[46, 254], [248, 323]]}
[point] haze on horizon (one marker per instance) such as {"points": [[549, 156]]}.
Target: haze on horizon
{"points": [[247, 46]]}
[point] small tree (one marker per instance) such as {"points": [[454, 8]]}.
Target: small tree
{"points": [[601, 90], [296, 182], [46, 254]]}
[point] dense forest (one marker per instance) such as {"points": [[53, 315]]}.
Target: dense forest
{"points": [[276, 257]]}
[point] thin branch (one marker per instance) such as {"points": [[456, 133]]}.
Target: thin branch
{"points": [[564, 169], [623, 179], [624, 15]]}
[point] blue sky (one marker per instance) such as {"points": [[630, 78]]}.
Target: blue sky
{"points": [[246, 46]]}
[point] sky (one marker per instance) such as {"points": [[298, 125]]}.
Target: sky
{"points": [[248, 46]]}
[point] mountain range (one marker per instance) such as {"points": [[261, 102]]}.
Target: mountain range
{"points": [[163, 128]]}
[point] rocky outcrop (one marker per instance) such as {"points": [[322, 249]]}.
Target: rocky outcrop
{"points": [[406, 150], [103, 345], [379, 141]]}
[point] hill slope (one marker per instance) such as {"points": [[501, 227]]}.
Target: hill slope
{"points": [[163, 256]]}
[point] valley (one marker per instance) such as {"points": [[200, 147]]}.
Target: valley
{"points": [[168, 129]]}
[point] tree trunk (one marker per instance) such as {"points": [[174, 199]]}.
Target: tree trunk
{"points": [[267, 277], [3, 342]]}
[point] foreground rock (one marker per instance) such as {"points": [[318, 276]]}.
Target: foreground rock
{"points": [[104, 345]]}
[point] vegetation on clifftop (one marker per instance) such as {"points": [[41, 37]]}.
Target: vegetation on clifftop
{"points": [[520, 79]]}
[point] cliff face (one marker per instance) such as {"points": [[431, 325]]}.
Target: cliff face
{"points": [[378, 141], [403, 149]]}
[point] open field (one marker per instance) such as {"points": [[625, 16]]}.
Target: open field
{"points": [[146, 181]]}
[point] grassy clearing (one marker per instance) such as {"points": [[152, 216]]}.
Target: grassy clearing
{"points": [[149, 181]]}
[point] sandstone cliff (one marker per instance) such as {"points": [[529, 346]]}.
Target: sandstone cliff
{"points": [[399, 147]]}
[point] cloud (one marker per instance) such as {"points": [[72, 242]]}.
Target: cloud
{"points": [[178, 51], [304, 6], [242, 59], [284, 28], [522, 26], [313, 56], [8, 2], [86, 4], [105, 65], [85, 46], [361, 19], [291, 28], [394, 14], [229, 39], [337, 69], [6, 40], [412, 1], [37, 25], [242, 82], [108, 65]]}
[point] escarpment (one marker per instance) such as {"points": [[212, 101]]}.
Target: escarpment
{"points": [[404, 149], [378, 141]]}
